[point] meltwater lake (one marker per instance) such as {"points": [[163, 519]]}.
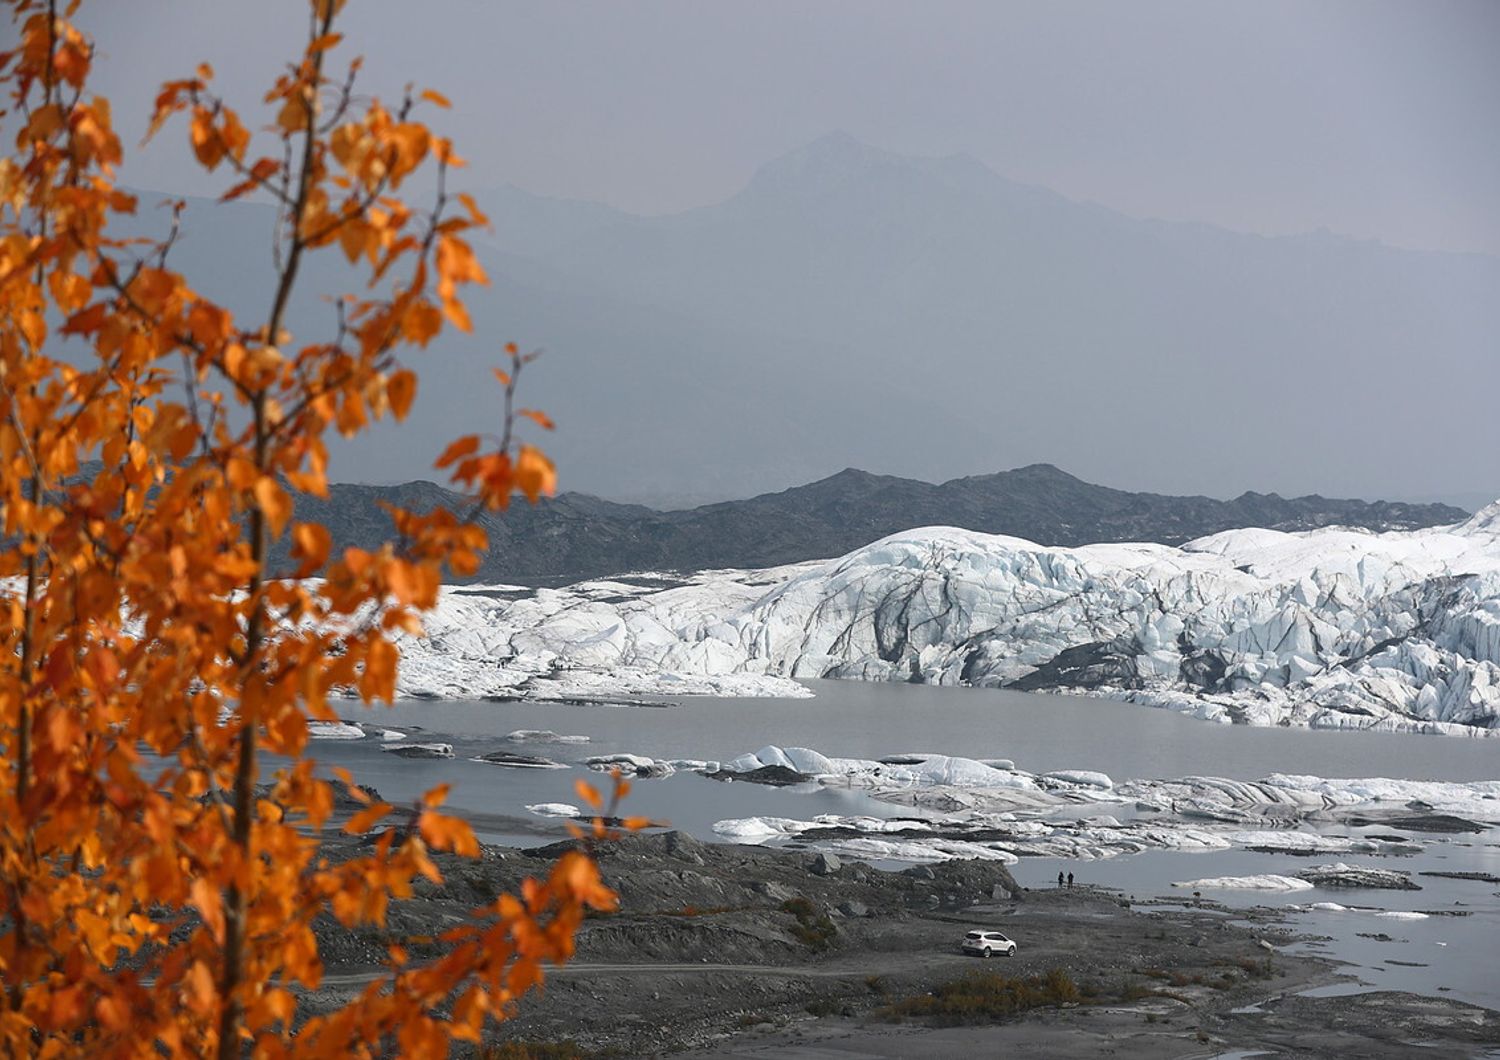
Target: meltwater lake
{"points": [[1449, 953]]}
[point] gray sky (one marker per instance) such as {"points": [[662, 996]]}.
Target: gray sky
{"points": [[1367, 117], [769, 336]]}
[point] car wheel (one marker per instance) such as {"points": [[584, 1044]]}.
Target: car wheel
{"points": [[1011, 952], [988, 953]]}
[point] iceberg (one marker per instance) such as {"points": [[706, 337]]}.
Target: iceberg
{"points": [[1083, 778], [554, 809], [542, 736], [1342, 875], [900, 770], [419, 750], [1264, 882], [334, 730]]}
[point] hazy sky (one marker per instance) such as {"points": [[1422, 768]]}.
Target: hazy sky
{"points": [[1368, 117], [1371, 118]]}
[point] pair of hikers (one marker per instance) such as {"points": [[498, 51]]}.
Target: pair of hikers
{"points": [[1060, 879]]}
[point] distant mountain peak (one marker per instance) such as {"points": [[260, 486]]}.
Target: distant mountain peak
{"points": [[824, 163], [1042, 470], [835, 161]]}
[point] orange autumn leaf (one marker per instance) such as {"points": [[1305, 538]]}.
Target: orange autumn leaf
{"points": [[200, 988], [367, 818], [274, 502], [459, 449], [401, 390], [311, 543], [535, 475], [588, 793]]}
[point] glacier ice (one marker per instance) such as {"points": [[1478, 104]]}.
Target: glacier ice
{"points": [[1331, 628]]}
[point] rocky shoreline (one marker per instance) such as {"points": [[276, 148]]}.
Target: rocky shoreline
{"points": [[729, 950]]}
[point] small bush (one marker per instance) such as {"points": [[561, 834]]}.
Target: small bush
{"points": [[1256, 969], [813, 929], [826, 1007]]}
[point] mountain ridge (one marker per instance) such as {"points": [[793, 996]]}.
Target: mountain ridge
{"points": [[577, 535]]}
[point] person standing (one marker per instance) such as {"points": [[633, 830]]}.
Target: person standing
{"points": [[1070, 881], [1059, 878]]}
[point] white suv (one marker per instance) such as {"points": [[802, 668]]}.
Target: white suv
{"points": [[988, 943]]}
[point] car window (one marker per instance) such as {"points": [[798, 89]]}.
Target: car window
{"points": [[974, 935]]}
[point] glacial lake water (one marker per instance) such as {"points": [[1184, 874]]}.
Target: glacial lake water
{"points": [[855, 719], [1039, 733]]}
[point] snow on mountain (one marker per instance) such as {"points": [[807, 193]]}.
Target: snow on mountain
{"points": [[1331, 628]]}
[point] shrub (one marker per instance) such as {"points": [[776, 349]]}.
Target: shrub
{"points": [[813, 929]]}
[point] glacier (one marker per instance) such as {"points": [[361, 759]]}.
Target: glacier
{"points": [[1331, 628]]}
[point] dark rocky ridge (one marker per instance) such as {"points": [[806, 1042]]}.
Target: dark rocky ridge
{"points": [[579, 536]]}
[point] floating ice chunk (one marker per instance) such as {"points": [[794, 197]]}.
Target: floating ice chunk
{"points": [[1298, 842], [334, 730], [419, 750], [1342, 875], [805, 760], [1085, 778], [914, 769], [757, 829], [512, 760], [628, 762], [773, 756], [543, 736], [1265, 882], [964, 773], [1402, 914], [554, 809], [1103, 820], [1329, 907]]}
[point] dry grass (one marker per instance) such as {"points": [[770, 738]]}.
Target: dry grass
{"points": [[984, 997]]}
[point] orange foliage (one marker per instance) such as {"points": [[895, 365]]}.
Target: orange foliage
{"points": [[152, 898]]}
